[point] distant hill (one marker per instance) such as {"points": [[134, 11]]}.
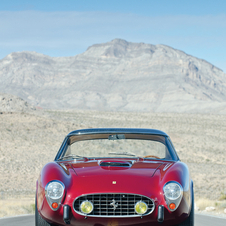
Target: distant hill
{"points": [[117, 76], [11, 103]]}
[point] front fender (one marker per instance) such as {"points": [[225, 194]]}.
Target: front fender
{"points": [[178, 172], [52, 171]]}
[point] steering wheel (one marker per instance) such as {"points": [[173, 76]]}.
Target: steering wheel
{"points": [[151, 156]]}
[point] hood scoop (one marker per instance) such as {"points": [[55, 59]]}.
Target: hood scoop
{"points": [[115, 164]]}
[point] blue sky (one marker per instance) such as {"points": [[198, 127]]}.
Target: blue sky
{"points": [[69, 27]]}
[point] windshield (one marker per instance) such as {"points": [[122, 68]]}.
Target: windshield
{"points": [[119, 146]]}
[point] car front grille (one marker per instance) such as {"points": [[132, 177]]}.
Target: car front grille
{"points": [[114, 205]]}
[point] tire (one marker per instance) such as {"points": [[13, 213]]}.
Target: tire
{"points": [[39, 221], [190, 220]]}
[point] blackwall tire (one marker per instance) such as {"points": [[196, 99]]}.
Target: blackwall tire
{"points": [[39, 221], [190, 220]]}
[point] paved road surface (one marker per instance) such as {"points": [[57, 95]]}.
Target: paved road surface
{"points": [[29, 220]]}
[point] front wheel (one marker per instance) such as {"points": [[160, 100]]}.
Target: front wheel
{"points": [[39, 221]]}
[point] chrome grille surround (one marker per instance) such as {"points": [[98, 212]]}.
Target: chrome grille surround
{"points": [[113, 204]]}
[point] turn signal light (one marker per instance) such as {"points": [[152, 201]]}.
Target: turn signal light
{"points": [[172, 206], [55, 205]]}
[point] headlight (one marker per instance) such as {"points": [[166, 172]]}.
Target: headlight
{"points": [[54, 193], [86, 207], [55, 190], [173, 194], [172, 190], [141, 207]]}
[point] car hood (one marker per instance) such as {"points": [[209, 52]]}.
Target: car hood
{"points": [[116, 167], [115, 176]]}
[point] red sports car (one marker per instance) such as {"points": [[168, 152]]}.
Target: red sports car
{"points": [[115, 176]]}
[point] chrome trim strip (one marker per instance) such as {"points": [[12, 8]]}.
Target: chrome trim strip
{"points": [[63, 166], [167, 166]]}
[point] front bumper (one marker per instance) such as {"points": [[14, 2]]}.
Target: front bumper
{"points": [[65, 215]]}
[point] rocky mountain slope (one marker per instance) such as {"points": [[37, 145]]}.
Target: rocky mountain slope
{"points": [[11, 103], [117, 76]]}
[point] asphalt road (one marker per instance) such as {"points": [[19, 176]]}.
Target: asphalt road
{"points": [[29, 220]]}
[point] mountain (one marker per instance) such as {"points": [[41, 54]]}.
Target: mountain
{"points": [[11, 103], [117, 76]]}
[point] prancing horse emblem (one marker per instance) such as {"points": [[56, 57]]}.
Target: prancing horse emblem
{"points": [[114, 204]]}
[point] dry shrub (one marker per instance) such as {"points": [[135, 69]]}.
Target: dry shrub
{"points": [[203, 203], [222, 196]]}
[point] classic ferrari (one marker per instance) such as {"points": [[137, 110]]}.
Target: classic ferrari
{"points": [[115, 176]]}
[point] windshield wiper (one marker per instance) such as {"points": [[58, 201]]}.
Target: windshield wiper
{"points": [[72, 156], [121, 153]]}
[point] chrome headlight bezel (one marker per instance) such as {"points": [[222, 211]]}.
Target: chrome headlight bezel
{"points": [[57, 199], [176, 194]]}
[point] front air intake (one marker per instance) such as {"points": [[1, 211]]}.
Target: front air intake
{"points": [[114, 205], [115, 164]]}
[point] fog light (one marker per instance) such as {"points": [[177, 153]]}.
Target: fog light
{"points": [[86, 207], [141, 207]]}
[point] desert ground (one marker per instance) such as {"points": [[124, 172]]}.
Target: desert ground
{"points": [[28, 140]]}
